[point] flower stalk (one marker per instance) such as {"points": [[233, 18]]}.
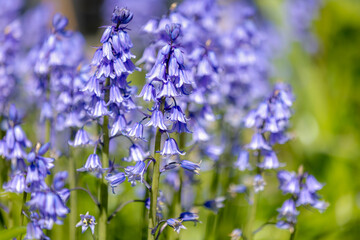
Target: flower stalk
{"points": [[73, 197], [105, 163], [155, 178]]}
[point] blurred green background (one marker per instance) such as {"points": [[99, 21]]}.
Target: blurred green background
{"points": [[326, 119]]}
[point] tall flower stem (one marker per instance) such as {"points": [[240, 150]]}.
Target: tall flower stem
{"points": [[155, 178], [105, 164], [21, 212], [73, 196]]}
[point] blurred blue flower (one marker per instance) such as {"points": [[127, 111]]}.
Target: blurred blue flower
{"points": [[215, 204], [176, 224]]}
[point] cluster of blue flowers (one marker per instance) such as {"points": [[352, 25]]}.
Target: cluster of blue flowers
{"points": [[59, 76], [47, 205], [203, 79]]}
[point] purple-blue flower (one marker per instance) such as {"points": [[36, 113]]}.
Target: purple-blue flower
{"points": [[115, 179], [86, 222], [190, 166], [176, 224], [136, 173], [93, 164], [136, 153], [215, 204], [171, 148]]}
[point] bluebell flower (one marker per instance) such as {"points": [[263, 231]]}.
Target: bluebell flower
{"points": [[63, 193], [100, 109], [168, 90], [288, 211], [190, 166], [169, 166], [49, 204], [137, 131], [148, 92], [113, 61], [119, 125], [270, 161], [303, 187], [199, 133], [176, 224], [157, 120], [242, 162], [93, 86], [59, 78], [15, 138], [279, 137], [9, 52], [93, 164], [258, 143], [312, 184], [258, 183], [136, 173], [34, 230], [306, 197], [115, 179], [235, 189], [39, 168], [179, 127], [59, 180], [189, 217], [136, 153], [115, 95], [16, 183], [215, 204], [34, 179], [171, 148], [236, 234], [320, 205], [289, 183], [176, 114], [121, 16], [59, 22], [86, 222], [81, 138]]}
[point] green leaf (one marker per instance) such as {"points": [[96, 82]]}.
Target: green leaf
{"points": [[12, 233]]}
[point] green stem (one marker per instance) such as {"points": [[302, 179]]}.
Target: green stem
{"points": [[49, 179], [21, 212], [105, 164], [292, 235], [155, 178], [73, 197]]}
